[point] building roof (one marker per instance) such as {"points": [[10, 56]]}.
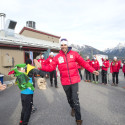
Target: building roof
{"points": [[37, 31], [27, 41], [20, 40]]}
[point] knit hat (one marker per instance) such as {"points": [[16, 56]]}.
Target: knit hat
{"points": [[115, 57], [87, 57], [94, 58], [51, 54], [63, 41]]}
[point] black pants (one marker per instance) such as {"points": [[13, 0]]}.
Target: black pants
{"points": [[80, 73], [115, 76], [26, 108], [94, 77], [104, 76], [73, 99], [53, 74], [88, 75]]}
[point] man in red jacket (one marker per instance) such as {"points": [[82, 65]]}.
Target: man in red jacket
{"points": [[67, 64], [48, 61], [105, 66]]}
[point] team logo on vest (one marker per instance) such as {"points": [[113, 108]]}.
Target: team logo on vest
{"points": [[61, 60], [71, 56]]}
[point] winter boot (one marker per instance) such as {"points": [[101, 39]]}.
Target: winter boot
{"points": [[72, 112], [51, 84], [26, 123], [79, 122], [33, 109], [96, 82], [116, 84]]}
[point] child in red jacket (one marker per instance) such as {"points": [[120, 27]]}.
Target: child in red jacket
{"points": [[41, 60], [105, 66], [96, 66], [48, 61], [114, 69]]}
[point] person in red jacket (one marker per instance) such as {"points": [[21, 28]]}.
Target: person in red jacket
{"points": [[105, 66], [123, 69], [96, 66], [48, 61], [87, 73], [67, 64], [41, 60], [114, 69]]}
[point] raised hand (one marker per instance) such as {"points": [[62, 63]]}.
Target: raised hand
{"points": [[2, 87], [37, 64], [96, 73]]}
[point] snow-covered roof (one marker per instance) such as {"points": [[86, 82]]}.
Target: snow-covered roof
{"points": [[30, 42]]}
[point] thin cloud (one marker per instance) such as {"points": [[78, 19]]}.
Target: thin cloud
{"points": [[91, 22]]}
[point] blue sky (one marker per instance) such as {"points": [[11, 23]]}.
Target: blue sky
{"points": [[98, 23]]}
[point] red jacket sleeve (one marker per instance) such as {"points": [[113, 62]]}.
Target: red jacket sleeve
{"points": [[83, 63], [119, 65]]}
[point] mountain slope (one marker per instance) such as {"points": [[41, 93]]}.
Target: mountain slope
{"points": [[86, 50], [118, 51]]}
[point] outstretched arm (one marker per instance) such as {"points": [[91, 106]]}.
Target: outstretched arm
{"points": [[96, 73], [48, 68], [37, 64]]}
